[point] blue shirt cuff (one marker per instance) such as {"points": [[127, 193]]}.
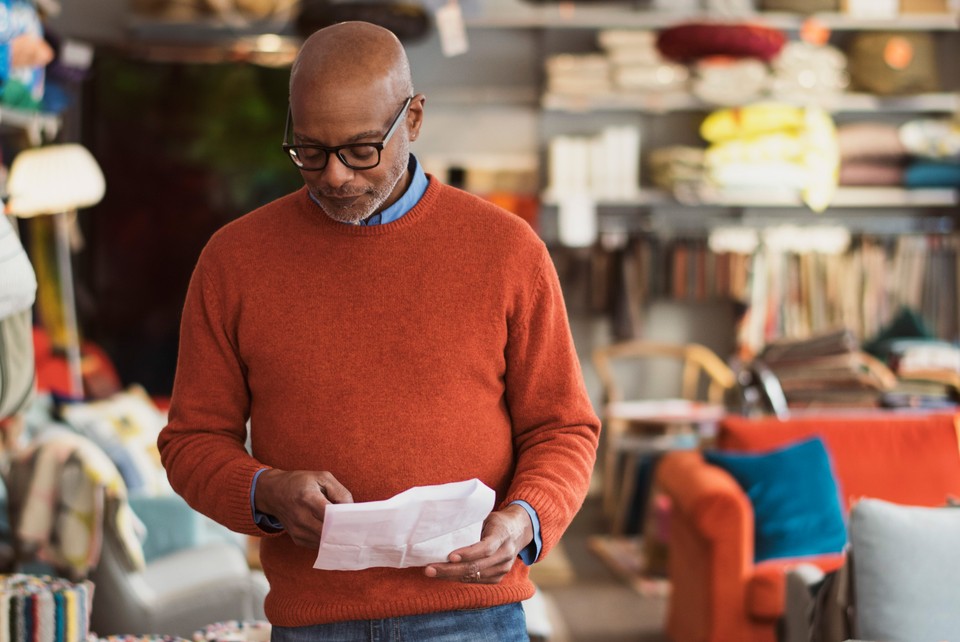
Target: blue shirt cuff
{"points": [[264, 521], [531, 553]]}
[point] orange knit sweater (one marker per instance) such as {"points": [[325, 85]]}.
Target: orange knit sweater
{"points": [[432, 349]]}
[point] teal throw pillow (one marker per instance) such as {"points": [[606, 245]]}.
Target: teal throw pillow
{"points": [[796, 503]]}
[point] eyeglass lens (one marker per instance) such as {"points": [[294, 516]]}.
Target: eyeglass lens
{"points": [[355, 156]]}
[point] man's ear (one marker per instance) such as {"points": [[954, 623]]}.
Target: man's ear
{"points": [[415, 115]]}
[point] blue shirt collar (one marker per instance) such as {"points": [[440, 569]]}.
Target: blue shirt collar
{"points": [[407, 200]]}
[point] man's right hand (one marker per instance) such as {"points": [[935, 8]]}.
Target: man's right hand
{"points": [[299, 499]]}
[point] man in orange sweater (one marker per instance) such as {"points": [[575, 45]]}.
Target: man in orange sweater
{"points": [[379, 330]]}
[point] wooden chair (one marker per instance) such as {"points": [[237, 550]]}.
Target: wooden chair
{"points": [[639, 425]]}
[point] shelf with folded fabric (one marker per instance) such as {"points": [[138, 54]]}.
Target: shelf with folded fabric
{"points": [[895, 197], [616, 223], [655, 103], [846, 22], [845, 197], [522, 15]]}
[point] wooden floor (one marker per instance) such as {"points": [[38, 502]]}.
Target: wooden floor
{"points": [[587, 600]]}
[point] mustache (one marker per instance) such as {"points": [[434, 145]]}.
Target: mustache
{"points": [[337, 194]]}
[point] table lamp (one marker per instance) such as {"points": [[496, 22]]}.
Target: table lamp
{"points": [[57, 180]]}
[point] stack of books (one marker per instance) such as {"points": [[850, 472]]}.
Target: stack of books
{"points": [[928, 373], [828, 370]]}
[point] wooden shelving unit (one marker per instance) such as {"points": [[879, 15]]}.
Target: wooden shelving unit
{"points": [[652, 103], [846, 197], [521, 15]]}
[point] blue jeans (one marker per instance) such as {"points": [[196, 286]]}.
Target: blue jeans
{"points": [[505, 623]]}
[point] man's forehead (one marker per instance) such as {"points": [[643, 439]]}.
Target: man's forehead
{"points": [[340, 117], [350, 93]]}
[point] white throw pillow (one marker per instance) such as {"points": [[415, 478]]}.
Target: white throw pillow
{"points": [[905, 567], [18, 282]]}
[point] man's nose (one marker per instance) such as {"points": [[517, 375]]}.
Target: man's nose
{"points": [[336, 174]]}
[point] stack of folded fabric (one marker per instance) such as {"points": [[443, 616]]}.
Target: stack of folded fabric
{"points": [[679, 170], [605, 166], [730, 59], [721, 63], [582, 75], [808, 73], [801, 72], [934, 145], [871, 154], [721, 80], [636, 65], [927, 368], [781, 150]]}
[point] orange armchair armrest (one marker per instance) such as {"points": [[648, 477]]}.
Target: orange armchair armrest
{"points": [[709, 497], [710, 549]]}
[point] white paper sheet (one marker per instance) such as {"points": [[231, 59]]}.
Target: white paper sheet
{"points": [[417, 527]]}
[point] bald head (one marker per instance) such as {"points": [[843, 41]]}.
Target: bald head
{"points": [[350, 88], [346, 54]]}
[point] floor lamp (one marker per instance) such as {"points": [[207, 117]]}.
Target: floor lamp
{"points": [[57, 180]]}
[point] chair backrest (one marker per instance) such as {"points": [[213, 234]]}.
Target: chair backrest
{"points": [[702, 376], [908, 458]]}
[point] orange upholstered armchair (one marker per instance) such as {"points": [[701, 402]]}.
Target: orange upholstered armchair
{"points": [[719, 593]]}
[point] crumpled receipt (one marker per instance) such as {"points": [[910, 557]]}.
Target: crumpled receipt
{"points": [[417, 527]]}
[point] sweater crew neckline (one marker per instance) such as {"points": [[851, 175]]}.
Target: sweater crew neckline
{"points": [[315, 214]]}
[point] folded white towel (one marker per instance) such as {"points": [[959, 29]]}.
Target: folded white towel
{"points": [[18, 282], [638, 39]]}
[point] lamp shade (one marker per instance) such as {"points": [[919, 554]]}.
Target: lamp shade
{"points": [[53, 179]]}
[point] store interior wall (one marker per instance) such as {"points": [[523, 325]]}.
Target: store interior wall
{"points": [[483, 113]]}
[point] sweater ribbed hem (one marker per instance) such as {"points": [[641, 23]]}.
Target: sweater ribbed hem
{"points": [[553, 521], [238, 509], [300, 611]]}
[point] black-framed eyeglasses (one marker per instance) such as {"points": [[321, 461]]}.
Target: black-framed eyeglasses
{"points": [[313, 158]]}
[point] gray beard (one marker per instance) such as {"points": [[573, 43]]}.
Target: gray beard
{"points": [[354, 215]]}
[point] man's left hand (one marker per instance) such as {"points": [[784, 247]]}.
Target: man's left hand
{"points": [[505, 533]]}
